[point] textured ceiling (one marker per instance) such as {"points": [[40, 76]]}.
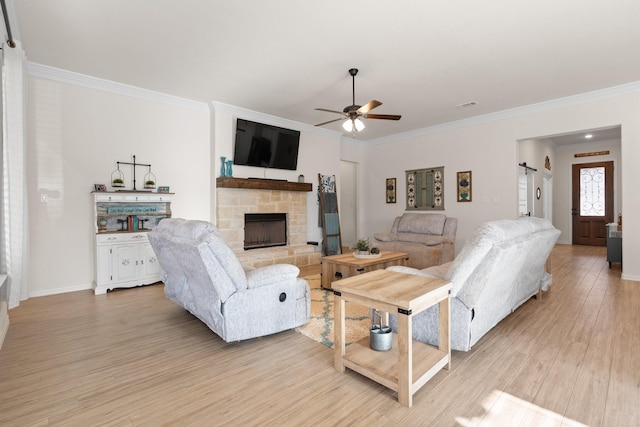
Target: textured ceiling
{"points": [[287, 57]]}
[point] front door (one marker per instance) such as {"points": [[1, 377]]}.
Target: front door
{"points": [[592, 207]]}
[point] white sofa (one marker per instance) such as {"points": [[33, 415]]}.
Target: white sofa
{"points": [[202, 274], [428, 238], [500, 267]]}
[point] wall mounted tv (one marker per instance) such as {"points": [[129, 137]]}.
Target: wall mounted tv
{"points": [[265, 146]]}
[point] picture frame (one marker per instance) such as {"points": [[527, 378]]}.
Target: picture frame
{"points": [[163, 189], [425, 189], [391, 190], [464, 186], [99, 187]]}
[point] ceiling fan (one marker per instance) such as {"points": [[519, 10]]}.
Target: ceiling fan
{"points": [[353, 112]]}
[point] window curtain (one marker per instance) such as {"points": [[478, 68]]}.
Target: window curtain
{"points": [[14, 213]]}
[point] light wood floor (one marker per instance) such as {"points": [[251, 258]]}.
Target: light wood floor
{"points": [[132, 357]]}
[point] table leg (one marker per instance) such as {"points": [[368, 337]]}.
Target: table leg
{"points": [[338, 333], [405, 360], [444, 330]]}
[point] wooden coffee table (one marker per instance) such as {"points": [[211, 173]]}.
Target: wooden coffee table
{"points": [[336, 267], [409, 364]]}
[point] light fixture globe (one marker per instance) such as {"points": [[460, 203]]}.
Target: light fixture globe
{"points": [[353, 125]]}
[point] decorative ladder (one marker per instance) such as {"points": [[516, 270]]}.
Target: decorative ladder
{"points": [[328, 196]]}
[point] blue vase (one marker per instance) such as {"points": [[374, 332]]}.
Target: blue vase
{"points": [[229, 167], [223, 169]]}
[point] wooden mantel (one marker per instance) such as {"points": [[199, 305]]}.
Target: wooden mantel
{"points": [[262, 184]]}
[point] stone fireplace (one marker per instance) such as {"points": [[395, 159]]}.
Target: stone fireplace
{"points": [[236, 197]]}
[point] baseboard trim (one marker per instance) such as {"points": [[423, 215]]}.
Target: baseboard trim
{"points": [[59, 291], [630, 277]]}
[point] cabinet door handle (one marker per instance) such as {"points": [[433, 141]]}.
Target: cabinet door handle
{"points": [[125, 262], [153, 260]]}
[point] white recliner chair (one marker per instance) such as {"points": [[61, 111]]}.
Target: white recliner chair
{"points": [[202, 274]]}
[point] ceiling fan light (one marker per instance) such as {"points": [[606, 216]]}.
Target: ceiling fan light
{"points": [[353, 125]]}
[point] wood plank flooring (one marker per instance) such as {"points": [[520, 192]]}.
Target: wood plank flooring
{"points": [[132, 357]]}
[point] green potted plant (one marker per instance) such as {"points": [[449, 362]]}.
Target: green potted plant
{"points": [[363, 247], [149, 184], [117, 182]]}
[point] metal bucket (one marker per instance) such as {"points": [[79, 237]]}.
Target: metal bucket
{"points": [[380, 337]]}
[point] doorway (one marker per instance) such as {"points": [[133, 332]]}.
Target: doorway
{"points": [[592, 202], [348, 202]]}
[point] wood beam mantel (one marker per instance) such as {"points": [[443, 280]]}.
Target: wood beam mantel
{"points": [[262, 184]]}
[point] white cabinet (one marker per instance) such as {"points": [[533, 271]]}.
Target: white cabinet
{"points": [[124, 256]]}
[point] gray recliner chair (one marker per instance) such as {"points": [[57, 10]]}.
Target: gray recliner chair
{"points": [[202, 274], [499, 268]]}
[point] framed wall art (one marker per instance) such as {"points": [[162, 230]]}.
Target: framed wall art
{"points": [[425, 189], [464, 186], [391, 190]]}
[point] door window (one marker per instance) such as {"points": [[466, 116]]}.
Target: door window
{"points": [[592, 191]]}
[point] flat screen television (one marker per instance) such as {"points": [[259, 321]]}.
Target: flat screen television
{"points": [[265, 146]]}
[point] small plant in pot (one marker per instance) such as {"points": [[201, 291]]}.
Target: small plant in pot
{"points": [[363, 247], [117, 182], [149, 184]]}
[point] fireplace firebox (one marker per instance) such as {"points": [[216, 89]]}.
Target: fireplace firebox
{"points": [[264, 230]]}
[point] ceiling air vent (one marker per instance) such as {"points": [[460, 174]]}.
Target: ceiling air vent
{"points": [[467, 104]]}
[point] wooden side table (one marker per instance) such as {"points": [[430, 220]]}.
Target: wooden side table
{"points": [[337, 267], [409, 364]]}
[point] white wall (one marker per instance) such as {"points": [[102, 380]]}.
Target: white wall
{"points": [[488, 147], [75, 136], [479, 148]]}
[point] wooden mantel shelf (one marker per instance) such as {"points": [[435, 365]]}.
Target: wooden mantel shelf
{"points": [[261, 184]]}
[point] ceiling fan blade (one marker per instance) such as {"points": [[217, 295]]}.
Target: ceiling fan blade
{"points": [[330, 121], [329, 111], [369, 106], [383, 116]]}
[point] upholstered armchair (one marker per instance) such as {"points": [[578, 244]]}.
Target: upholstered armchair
{"points": [[429, 239], [202, 274]]}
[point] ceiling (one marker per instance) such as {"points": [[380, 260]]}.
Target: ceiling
{"points": [[287, 57], [591, 135]]}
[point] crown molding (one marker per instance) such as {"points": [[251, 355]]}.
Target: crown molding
{"points": [[64, 76], [90, 82], [109, 86], [567, 101]]}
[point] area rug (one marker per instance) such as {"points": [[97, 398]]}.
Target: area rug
{"points": [[320, 324]]}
